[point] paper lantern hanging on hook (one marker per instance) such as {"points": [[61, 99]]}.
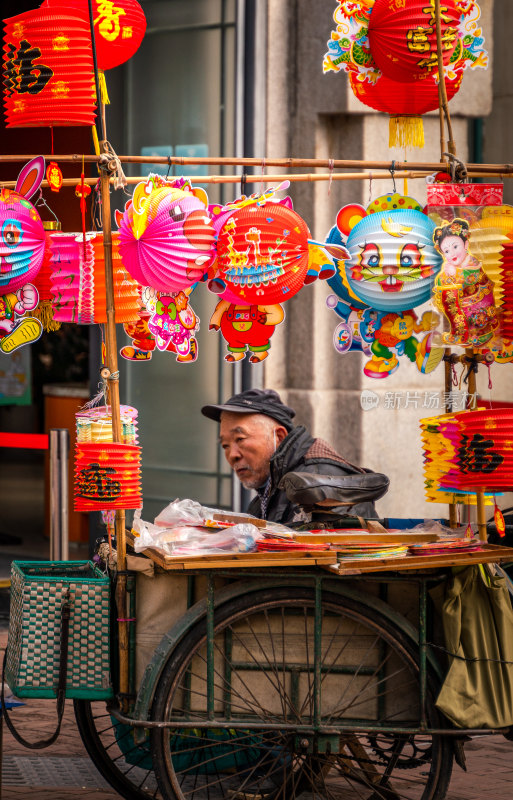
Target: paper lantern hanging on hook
{"points": [[22, 236], [262, 255], [78, 280], [386, 48], [107, 476], [166, 236], [48, 68]]}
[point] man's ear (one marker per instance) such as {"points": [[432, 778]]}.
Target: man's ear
{"points": [[280, 433]]}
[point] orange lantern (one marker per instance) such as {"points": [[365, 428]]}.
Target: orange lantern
{"points": [[402, 37], [48, 68], [119, 28], [107, 477]]}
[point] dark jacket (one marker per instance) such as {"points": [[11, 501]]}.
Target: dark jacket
{"points": [[300, 452]]}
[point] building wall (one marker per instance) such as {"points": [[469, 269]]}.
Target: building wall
{"points": [[314, 115]]}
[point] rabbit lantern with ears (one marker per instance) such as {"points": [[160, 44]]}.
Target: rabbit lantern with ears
{"points": [[22, 246]]}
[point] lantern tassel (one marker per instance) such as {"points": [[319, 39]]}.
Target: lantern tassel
{"points": [[406, 132], [104, 95], [44, 313]]}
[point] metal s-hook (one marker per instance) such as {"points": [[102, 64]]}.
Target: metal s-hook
{"points": [[169, 165], [392, 175], [243, 179], [331, 165]]}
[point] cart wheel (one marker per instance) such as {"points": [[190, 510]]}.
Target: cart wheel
{"points": [[263, 687], [126, 766]]}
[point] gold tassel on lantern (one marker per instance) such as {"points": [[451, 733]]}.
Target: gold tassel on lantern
{"points": [[406, 132], [104, 95]]}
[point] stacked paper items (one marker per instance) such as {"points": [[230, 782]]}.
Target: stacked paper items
{"points": [[95, 425], [274, 545], [353, 552], [464, 545]]}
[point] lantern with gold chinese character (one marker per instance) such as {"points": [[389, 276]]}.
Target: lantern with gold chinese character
{"points": [[107, 476], [402, 37], [119, 27], [389, 49], [48, 68]]}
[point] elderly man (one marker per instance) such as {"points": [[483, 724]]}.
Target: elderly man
{"points": [[262, 446]]}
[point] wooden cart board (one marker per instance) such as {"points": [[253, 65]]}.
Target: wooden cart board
{"points": [[488, 553], [302, 558], [367, 537]]}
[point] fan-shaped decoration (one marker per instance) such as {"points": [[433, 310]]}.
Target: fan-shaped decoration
{"points": [[43, 283], [107, 476], [166, 236], [78, 280], [119, 27], [48, 68]]}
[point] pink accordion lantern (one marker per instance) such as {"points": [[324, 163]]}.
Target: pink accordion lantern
{"points": [[78, 281], [166, 237]]}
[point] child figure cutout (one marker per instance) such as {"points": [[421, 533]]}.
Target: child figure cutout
{"points": [[462, 291]]}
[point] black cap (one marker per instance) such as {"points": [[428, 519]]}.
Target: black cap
{"points": [[255, 401]]}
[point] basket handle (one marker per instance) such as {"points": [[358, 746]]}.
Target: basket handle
{"points": [[61, 686]]}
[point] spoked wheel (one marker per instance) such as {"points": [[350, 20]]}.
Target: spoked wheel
{"points": [[125, 765], [263, 690]]}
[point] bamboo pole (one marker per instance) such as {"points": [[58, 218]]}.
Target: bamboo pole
{"points": [[499, 170], [441, 77], [254, 179], [111, 373], [480, 500]]}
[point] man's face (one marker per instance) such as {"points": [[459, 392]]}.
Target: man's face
{"points": [[248, 442]]}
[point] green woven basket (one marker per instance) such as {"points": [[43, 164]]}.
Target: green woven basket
{"points": [[38, 591]]}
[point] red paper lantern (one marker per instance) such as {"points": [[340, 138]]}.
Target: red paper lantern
{"points": [[405, 102], [262, 255], [107, 477], [402, 37], [48, 68], [119, 29]]}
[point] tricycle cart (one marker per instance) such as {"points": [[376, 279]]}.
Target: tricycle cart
{"points": [[312, 681]]}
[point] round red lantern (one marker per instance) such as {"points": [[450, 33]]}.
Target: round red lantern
{"points": [[48, 68], [262, 255], [405, 102], [402, 37], [119, 28]]}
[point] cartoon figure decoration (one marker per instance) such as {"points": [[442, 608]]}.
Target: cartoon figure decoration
{"points": [[143, 341], [246, 328], [462, 291], [389, 271], [166, 234], [392, 257], [172, 322], [394, 336], [22, 245], [15, 329], [264, 257]]}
